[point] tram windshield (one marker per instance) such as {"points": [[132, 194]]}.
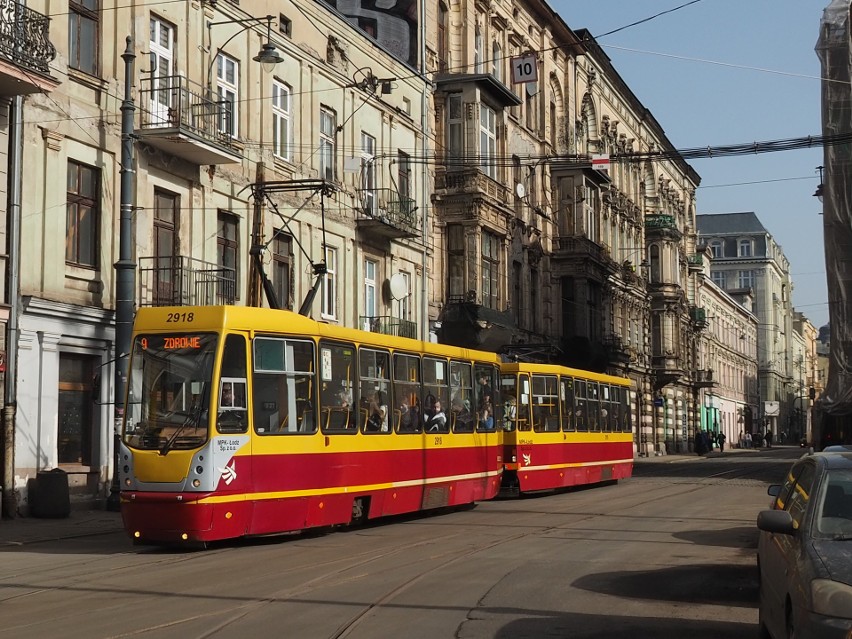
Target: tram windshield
{"points": [[169, 384]]}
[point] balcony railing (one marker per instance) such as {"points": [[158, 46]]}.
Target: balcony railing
{"points": [[387, 325], [392, 209], [698, 315], [696, 261], [660, 221], [183, 115], [24, 37], [703, 377], [185, 281]]}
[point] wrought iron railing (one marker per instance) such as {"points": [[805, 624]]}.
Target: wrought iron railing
{"points": [[173, 102], [660, 221], [387, 325], [185, 281], [696, 260], [24, 36], [392, 208]]}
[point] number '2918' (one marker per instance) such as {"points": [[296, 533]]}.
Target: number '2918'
{"points": [[171, 318]]}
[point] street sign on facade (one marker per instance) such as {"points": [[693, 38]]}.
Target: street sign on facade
{"points": [[524, 68], [601, 163]]}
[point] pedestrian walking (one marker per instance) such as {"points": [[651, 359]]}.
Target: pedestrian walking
{"points": [[721, 439], [768, 438]]}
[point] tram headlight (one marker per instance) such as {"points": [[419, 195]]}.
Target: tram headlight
{"points": [[199, 469], [126, 469], [196, 483]]}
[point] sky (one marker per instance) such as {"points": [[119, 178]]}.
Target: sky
{"points": [[722, 72]]}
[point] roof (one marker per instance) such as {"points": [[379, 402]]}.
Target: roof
{"points": [[729, 223], [836, 460]]}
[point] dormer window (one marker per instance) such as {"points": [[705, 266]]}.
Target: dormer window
{"points": [[744, 248]]}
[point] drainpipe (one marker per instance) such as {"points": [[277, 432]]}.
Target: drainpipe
{"points": [[9, 499], [424, 178]]}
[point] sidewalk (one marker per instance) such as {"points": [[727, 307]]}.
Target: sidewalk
{"points": [[688, 456], [80, 523]]}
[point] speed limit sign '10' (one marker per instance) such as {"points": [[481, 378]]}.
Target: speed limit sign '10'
{"points": [[524, 68]]}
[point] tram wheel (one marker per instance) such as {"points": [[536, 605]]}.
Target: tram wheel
{"points": [[360, 508]]}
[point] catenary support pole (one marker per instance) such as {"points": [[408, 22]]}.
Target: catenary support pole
{"points": [[125, 268]]}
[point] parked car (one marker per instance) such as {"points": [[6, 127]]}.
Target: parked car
{"points": [[838, 448], [805, 551]]}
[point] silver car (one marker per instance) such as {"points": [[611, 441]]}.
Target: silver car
{"points": [[805, 551]]}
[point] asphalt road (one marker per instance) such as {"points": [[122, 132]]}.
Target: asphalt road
{"points": [[669, 553]]}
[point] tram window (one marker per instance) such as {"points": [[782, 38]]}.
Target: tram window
{"points": [[606, 410], [524, 419], [581, 415], [337, 388], [436, 395], [566, 397], [488, 406], [626, 412], [283, 387], [406, 394], [509, 386], [545, 408], [374, 367], [461, 392], [232, 416], [593, 407]]}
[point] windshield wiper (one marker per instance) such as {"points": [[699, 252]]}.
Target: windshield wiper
{"points": [[190, 418], [842, 537]]}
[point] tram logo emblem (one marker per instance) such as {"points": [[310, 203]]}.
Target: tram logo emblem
{"points": [[527, 459], [229, 473]]}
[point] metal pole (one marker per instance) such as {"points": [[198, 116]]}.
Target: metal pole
{"points": [[10, 392], [125, 268], [425, 201]]}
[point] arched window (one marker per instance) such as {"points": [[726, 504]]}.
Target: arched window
{"points": [[497, 61]]}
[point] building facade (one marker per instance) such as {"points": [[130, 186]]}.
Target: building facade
{"points": [[746, 257], [266, 141]]}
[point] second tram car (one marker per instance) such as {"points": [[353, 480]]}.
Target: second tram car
{"points": [[564, 427]]}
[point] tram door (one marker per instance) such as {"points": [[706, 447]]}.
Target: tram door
{"points": [[233, 447]]}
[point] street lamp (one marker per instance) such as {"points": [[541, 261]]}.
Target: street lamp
{"points": [[820, 187], [268, 55]]}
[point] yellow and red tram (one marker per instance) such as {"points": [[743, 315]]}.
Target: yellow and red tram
{"points": [[564, 427], [246, 421]]}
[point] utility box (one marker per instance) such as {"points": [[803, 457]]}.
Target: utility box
{"points": [[51, 498]]}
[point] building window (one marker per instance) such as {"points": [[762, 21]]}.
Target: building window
{"points": [[83, 215], [534, 288], [716, 248], [84, 36], [455, 128], [745, 279], [443, 42], [368, 172], [488, 141], [227, 87], [327, 151], [744, 248], [403, 161], [166, 209], [227, 253], [718, 278], [281, 120], [370, 306], [553, 123], [497, 61], [282, 267], [531, 106], [285, 25], [477, 51], [405, 302], [162, 54], [329, 284], [491, 269], [455, 260]]}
